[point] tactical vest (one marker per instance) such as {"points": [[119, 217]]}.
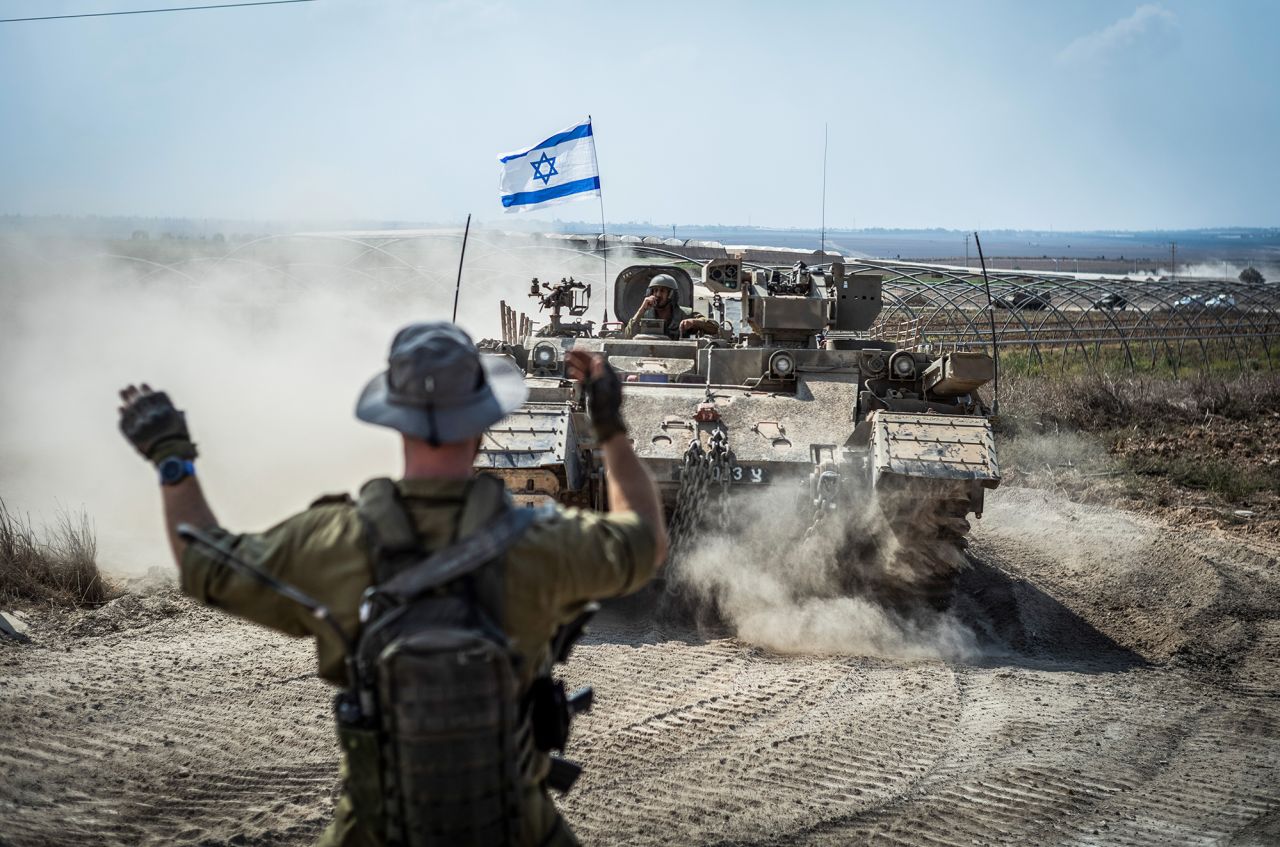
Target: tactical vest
{"points": [[439, 740], [671, 326]]}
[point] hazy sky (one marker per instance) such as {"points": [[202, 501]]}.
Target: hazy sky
{"points": [[955, 114]]}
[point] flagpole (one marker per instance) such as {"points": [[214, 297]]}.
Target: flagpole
{"points": [[600, 195]]}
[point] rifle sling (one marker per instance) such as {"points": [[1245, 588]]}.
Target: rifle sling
{"points": [[457, 560]]}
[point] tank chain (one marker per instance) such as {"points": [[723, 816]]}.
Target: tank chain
{"points": [[703, 495], [824, 499], [818, 513]]}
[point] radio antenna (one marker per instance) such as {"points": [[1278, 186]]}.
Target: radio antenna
{"points": [[458, 288], [822, 245], [991, 315]]}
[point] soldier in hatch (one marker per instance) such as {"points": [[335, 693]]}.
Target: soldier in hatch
{"points": [[661, 303], [441, 395]]}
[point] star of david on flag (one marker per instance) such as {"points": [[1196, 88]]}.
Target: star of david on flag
{"points": [[551, 168], [561, 168]]}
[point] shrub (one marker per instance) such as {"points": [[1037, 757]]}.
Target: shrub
{"points": [[1252, 276], [1219, 476], [58, 566]]}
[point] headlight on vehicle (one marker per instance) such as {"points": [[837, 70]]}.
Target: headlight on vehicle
{"points": [[782, 364], [874, 364], [902, 365], [545, 357]]}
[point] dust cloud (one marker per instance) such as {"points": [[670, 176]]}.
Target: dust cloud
{"points": [[786, 589], [1032, 452], [1213, 269], [1080, 540], [265, 345]]}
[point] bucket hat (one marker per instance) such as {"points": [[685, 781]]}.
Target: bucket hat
{"points": [[439, 388]]}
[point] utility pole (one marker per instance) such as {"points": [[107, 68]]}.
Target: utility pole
{"points": [[966, 250], [1173, 261]]}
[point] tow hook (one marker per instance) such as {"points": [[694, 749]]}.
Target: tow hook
{"points": [[707, 413], [824, 490]]}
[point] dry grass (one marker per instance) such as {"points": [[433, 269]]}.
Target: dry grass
{"points": [[1100, 403], [57, 566], [1228, 479], [1151, 442]]}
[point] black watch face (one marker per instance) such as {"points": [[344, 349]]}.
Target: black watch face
{"points": [[172, 470]]}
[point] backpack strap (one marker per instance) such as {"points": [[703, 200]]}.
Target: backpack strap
{"points": [[460, 559], [392, 534]]}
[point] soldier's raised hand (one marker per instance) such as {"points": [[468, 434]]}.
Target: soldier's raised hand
{"points": [[603, 391], [153, 425]]}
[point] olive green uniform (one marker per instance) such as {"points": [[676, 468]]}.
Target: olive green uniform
{"points": [[671, 328], [563, 561]]}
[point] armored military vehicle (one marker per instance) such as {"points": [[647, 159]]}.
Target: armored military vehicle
{"points": [[790, 394]]}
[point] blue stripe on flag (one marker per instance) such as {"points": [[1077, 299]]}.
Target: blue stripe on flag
{"points": [[526, 198], [579, 131]]}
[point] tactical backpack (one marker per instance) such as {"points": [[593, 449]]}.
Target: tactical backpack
{"points": [[440, 745]]}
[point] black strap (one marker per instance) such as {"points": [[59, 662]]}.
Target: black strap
{"points": [[459, 559], [393, 532]]}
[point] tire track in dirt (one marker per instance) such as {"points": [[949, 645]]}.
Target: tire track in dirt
{"points": [[786, 738], [1135, 706], [1058, 745], [155, 736]]}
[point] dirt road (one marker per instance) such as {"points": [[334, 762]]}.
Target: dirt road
{"points": [[1127, 694]]}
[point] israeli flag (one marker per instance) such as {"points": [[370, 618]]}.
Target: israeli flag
{"points": [[559, 169]]}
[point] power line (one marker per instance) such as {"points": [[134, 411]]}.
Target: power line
{"points": [[153, 11]]}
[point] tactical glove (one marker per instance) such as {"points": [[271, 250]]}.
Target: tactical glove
{"points": [[604, 402], [155, 427]]}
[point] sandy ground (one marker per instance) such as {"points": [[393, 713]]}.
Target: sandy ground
{"points": [[1126, 694]]}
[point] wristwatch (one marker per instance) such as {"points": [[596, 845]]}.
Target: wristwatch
{"points": [[174, 470]]}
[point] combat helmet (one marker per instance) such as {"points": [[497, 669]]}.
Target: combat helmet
{"points": [[666, 281]]}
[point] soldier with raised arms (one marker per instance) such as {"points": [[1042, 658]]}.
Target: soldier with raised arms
{"points": [[505, 577]]}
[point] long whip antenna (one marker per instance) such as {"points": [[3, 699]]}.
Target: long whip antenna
{"points": [[991, 316], [458, 288], [822, 248]]}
